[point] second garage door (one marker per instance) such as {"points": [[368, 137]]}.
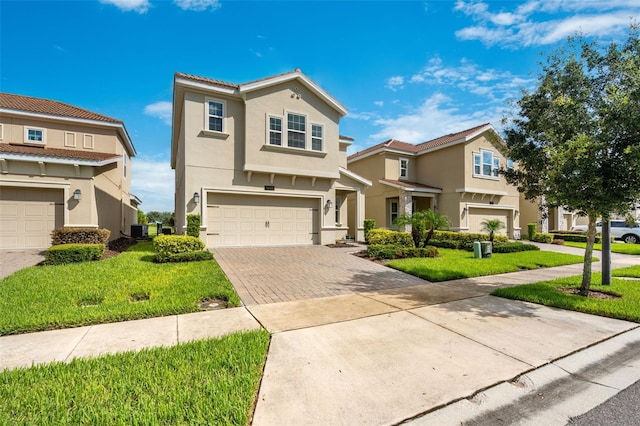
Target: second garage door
{"points": [[478, 215], [244, 220]]}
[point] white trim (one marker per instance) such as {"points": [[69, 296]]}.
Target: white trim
{"points": [[494, 157], [406, 176], [223, 118], [1, 131], [481, 191], [118, 126], [380, 150], [88, 141], [354, 176], [345, 142], [268, 118], [66, 139], [37, 129], [411, 189], [55, 160], [306, 130], [294, 150], [206, 86], [289, 172], [35, 184], [315, 137]]}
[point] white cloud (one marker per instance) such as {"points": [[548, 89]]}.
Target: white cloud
{"points": [[153, 182], [394, 83], [537, 23], [197, 5], [139, 6], [161, 110], [379, 103]]}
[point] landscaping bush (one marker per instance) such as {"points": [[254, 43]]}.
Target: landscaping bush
{"points": [[167, 246], [532, 229], [191, 256], [80, 236], [193, 225], [387, 237], [512, 247], [381, 251], [73, 253], [558, 242], [576, 238], [466, 237], [541, 237], [369, 224]]}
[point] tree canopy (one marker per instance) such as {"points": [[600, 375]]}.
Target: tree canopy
{"points": [[576, 137]]}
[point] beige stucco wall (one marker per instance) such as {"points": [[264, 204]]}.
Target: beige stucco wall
{"points": [[373, 168]]}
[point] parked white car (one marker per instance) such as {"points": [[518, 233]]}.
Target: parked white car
{"points": [[619, 230]]}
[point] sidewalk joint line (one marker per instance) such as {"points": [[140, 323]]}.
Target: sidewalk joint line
{"points": [[66, 359]]}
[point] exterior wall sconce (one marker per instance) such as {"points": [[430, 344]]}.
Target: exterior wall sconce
{"points": [[329, 204], [517, 212], [196, 198], [77, 195], [465, 210]]}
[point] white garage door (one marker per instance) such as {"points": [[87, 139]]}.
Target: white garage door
{"points": [[28, 215], [244, 220], [478, 215]]}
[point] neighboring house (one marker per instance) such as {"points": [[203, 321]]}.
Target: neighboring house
{"points": [[263, 162], [455, 175], [61, 166]]}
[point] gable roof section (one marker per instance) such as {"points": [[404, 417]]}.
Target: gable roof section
{"points": [[393, 145], [48, 109], [411, 186], [55, 155]]}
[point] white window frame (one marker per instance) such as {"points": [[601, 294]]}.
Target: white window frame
{"points": [[317, 138], [70, 141], [391, 212], [270, 131], [124, 164], [304, 133], [1, 131], [338, 210], [223, 124], [479, 165], [88, 141], [37, 129], [404, 161]]}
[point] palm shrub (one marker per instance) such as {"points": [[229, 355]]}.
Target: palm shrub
{"points": [[423, 224], [492, 226]]}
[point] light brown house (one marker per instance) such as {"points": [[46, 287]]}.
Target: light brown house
{"points": [[263, 162], [456, 175], [61, 166]]}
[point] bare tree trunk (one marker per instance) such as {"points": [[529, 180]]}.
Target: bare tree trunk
{"points": [[588, 254]]}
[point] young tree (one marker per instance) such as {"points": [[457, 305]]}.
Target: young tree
{"points": [[492, 226], [577, 136], [423, 224]]}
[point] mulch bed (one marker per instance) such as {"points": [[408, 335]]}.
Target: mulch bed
{"points": [[341, 245], [592, 293], [116, 247]]}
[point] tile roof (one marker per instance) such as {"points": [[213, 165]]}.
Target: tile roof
{"points": [[70, 154], [389, 144], [205, 80], [406, 184], [451, 137], [346, 138], [46, 106]]}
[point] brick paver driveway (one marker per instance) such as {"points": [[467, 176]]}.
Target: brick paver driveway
{"points": [[280, 274], [12, 261]]}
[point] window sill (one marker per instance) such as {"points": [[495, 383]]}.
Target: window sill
{"points": [[289, 150], [487, 177], [214, 134]]}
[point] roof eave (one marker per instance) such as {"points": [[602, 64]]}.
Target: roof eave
{"points": [[410, 188], [355, 176], [57, 160]]}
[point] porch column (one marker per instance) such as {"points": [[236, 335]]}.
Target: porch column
{"points": [[405, 206], [360, 215]]}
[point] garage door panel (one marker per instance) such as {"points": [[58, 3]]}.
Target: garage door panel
{"points": [[478, 215]]}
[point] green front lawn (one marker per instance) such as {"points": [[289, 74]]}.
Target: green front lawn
{"points": [[204, 382], [454, 264], [626, 307], [615, 247], [115, 289]]}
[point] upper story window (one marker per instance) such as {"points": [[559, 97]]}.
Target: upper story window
{"points": [[214, 115], [296, 130], [34, 135], [485, 164], [404, 168], [124, 164], [509, 163], [316, 137], [275, 131]]}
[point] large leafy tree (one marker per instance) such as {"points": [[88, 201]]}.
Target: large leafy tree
{"points": [[423, 224], [577, 136]]}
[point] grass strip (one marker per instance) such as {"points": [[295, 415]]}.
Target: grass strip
{"points": [[626, 306], [50, 297], [615, 247], [455, 264], [204, 382]]}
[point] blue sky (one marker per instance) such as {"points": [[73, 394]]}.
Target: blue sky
{"points": [[406, 70]]}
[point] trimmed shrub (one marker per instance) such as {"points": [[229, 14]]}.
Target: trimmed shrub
{"points": [[558, 242], [193, 225], [381, 251], [532, 229], [576, 238], [167, 246], [466, 237], [73, 253], [80, 236], [513, 247], [541, 237], [192, 256], [369, 224], [393, 238]]}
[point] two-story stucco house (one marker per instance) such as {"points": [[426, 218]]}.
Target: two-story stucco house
{"points": [[456, 175], [263, 163], [61, 166]]}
